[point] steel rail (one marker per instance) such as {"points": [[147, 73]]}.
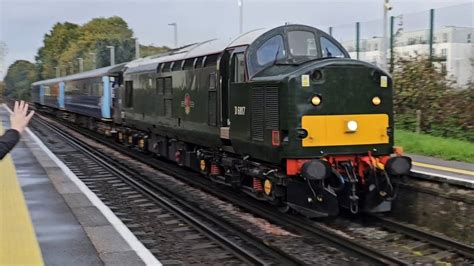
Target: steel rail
{"points": [[433, 239], [153, 190]]}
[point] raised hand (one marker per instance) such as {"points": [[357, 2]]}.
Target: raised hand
{"points": [[19, 118]]}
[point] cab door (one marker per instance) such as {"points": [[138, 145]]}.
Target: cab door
{"points": [[232, 71]]}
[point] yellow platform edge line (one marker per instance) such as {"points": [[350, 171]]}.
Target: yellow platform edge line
{"points": [[18, 242], [443, 168]]}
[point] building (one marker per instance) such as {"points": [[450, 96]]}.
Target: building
{"points": [[453, 50]]}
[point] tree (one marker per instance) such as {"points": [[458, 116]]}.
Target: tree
{"points": [[445, 111], [94, 37], [2, 88], [147, 50], [18, 80], [67, 42], [60, 38]]}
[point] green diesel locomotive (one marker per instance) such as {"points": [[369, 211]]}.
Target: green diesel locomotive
{"points": [[283, 114]]}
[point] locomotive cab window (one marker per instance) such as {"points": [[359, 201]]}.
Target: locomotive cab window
{"points": [[329, 49], [270, 51], [302, 43]]}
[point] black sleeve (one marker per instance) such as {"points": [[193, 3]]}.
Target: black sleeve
{"points": [[8, 141]]}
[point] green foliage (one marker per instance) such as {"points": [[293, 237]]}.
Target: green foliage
{"points": [[445, 111], [2, 88], [55, 43], [148, 50], [18, 80], [441, 147], [67, 42]]}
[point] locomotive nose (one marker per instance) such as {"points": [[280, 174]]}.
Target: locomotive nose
{"points": [[344, 102]]}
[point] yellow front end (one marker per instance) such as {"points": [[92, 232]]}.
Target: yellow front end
{"points": [[339, 130]]}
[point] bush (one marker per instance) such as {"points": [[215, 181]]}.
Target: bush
{"points": [[445, 111]]}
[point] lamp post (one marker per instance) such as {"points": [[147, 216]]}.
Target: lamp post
{"points": [[112, 55], [81, 64], [175, 25], [241, 15], [137, 48], [93, 55], [387, 6]]}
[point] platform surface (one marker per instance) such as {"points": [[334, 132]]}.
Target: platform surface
{"points": [[18, 243], [454, 172], [69, 225]]}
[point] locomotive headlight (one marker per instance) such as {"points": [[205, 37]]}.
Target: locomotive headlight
{"points": [[316, 100], [376, 100], [351, 126]]}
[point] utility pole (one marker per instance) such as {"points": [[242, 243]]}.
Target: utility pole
{"points": [[81, 64], [241, 15], [93, 60], [387, 6], [137, 48], [57, 71], [112, 54], [175, 25]]}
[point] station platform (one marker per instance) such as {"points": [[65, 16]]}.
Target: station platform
{"points": [[451, 172], [49, 217]]}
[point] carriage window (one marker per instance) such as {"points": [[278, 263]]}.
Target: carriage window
{"points": [[198, 62], [211, 60], [166, 67], [238, 61], [302, 43], [177, 65], [270, 50], [330, 49], [188, 64]]}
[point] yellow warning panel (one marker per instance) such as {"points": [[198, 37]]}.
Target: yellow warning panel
{"points": [[337, 130], [18, 243]]}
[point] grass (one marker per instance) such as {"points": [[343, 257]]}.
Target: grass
{"points": [[444, 148]]}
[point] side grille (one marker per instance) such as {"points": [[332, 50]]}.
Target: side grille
{"points": [[271, 108], [258, 116], [265, 111]]}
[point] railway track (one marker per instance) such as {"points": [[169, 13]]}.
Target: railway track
{"points": [[321, 231], [211, 240], [433, 239]]}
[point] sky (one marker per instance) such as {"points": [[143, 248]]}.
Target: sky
{"points": [[23, 23]]}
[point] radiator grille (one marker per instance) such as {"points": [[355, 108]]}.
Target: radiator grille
{"points": [[265, 111]]}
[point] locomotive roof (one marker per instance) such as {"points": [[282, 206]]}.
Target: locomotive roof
{"points": [[208, 47], [150, 63], [83, 75]]}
